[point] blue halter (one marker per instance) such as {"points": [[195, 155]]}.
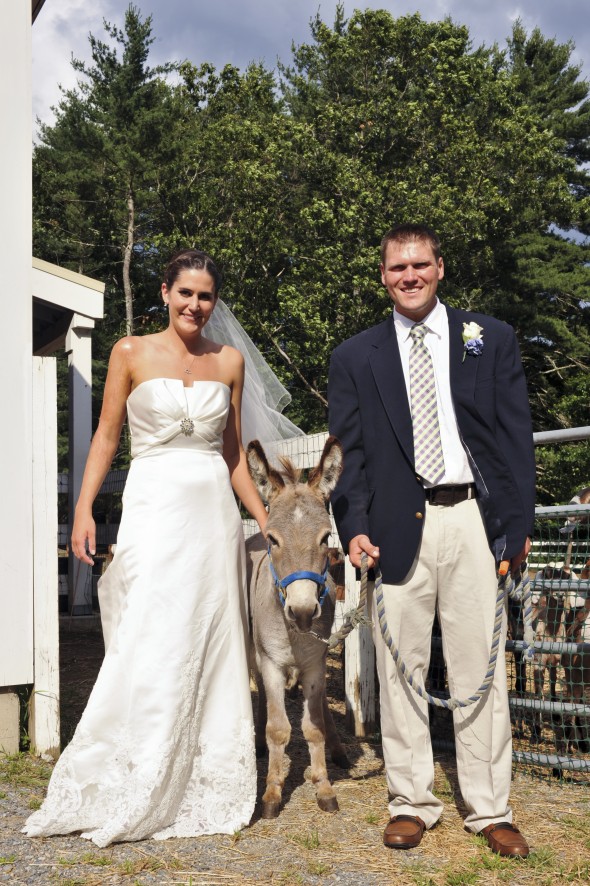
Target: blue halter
{"points": [[281, 583]]}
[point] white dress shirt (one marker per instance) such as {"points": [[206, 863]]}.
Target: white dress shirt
{"points": [[457, 468]]}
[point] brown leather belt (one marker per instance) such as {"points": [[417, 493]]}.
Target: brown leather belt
{"points": [[450, 495]]}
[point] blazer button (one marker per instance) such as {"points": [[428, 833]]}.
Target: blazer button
{"points": [[419, 516]]}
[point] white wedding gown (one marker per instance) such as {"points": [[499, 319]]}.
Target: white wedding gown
{"points": [[165, 746]]}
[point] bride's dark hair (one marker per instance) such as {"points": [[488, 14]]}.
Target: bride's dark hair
{"points": [[194, 259]]}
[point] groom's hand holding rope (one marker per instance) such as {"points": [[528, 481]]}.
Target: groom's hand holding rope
{"points": [[359, 545]]}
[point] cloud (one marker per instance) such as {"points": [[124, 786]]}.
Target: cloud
{"points": [[61, 30]]}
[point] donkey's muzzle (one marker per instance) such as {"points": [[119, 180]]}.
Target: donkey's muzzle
{"points": [[302, 617]]}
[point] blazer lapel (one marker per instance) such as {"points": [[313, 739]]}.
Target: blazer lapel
{"points": [[462, 371], [386, 366]]}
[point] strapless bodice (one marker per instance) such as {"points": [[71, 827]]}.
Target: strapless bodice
{"points": [[163, 412]]}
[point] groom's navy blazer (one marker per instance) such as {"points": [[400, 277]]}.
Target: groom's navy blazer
{"points": [[378, 494]]}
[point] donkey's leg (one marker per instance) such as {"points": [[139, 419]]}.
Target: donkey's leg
{"points": [[337, 751], [278, 733], [260, 718], [314, 691], [538, 680], [559, 720], [574, 679]]}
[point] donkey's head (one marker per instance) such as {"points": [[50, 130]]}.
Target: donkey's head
{"points": [[298, 528]]}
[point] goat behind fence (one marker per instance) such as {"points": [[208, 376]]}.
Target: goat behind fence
{"points": [[550, 696]]}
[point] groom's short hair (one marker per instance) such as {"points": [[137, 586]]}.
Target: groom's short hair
{"points": [[407, 233]]}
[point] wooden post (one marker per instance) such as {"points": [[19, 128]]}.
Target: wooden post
{"points": [[359, 667], [44, 723]]}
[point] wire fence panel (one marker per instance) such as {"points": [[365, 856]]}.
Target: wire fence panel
{"points": [[550, 693]]}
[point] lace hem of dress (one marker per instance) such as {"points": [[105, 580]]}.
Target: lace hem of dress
{"points": [[190, 785], [214, 802]]}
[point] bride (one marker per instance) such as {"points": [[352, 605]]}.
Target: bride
{"points": [[165, 746]]}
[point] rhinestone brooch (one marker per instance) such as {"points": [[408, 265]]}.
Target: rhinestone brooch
{"points": [[187, 426]]}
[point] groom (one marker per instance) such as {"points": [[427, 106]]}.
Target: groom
{"points": [[438, 485]]}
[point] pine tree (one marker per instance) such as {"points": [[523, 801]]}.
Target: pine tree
{"points": [[97, 169]]}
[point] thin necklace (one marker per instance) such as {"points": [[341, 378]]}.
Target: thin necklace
{"points": [[189, 368]]}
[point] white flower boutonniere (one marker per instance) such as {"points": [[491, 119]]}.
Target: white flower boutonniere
{"points": [[472, 336]]}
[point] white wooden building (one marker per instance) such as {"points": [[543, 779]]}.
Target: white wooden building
{"points": [[44, 308]]}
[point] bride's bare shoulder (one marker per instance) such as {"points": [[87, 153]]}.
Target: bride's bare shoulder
{"points": [[134, 346], [232, 366], [132, 354], [229, 355]]}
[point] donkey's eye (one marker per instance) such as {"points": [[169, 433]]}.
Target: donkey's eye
{"points": [[325, 539], [271, 539]]}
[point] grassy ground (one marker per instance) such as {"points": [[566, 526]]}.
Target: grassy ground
{"points": [[305, 846]]}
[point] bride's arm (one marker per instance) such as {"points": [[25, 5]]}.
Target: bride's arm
{"points": [[102, 449], [233, 451]]}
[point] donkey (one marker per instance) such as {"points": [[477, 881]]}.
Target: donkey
{"points": [[575, 628], [292, 608], [548, 620]]}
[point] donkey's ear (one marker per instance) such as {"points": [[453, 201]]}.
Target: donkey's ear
{"points": [[267, 481], [325, 476]]}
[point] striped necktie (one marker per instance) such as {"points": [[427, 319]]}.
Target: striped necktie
{"points": [[428, 454]]}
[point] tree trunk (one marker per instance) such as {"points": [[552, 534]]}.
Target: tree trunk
{"points": [[127, 262], [295, 368]]}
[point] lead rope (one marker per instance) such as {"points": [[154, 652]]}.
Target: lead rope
{"points": [[505, 585], [352, 619], [521, 592]]}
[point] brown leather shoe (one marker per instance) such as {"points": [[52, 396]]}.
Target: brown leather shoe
{"points": [[403, 832], [505, 839]]}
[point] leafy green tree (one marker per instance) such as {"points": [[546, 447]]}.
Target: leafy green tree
{"points": [[428, 129], [291, 184], [548, 271], [550, 84]]}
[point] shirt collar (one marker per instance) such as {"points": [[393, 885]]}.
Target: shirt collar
{"points": [[435, 321]]}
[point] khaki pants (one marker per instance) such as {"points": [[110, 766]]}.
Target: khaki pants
{"points": [[454, 573]]}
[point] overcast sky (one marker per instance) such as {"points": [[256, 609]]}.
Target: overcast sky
{"points": [[240, 31]]}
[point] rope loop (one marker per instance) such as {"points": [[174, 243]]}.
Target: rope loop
{"points": [[505, 586], [519, 589]]}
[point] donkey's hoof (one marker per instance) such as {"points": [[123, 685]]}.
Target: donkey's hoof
{"points": [[340, 759], [328, 804], [271, 809]]}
